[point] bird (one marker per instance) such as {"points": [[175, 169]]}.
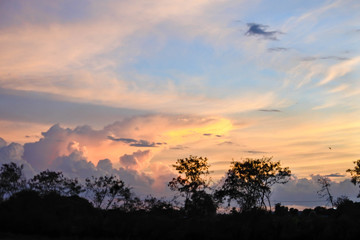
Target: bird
{"points": [[330, 148]]}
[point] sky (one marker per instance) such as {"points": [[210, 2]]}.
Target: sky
{"points": [[127, 87]]}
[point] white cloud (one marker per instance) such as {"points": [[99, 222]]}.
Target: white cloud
{"points": [[303, 192], [339, 70]]}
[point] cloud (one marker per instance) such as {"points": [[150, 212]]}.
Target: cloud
{"points": [[124, 140], [58, 141], [13, 153], [179, 147], [278, 49], [303, 191], [158, 130], [2, 143], [339, 88], [270, 110], [335, 175], [339, 70], [74, 165], [256, 29], [226, 143], [105, 165], [162, 175], [137, 160], [137, 143], [143, 143], [336, 58], [255, 152]]}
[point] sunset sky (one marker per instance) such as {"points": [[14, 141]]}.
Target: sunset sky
{"points": [[138, 84]]}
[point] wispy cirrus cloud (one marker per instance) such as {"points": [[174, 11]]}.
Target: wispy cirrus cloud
{"points": [[278, 49], [336, 58], [339, 70]]}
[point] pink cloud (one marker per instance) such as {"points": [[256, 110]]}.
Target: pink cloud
{"points": [[137, 160]]}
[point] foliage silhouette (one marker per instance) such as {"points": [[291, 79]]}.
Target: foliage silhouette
{"points": [[249, 182], [29, 214], [324, 192], [11, 179], [108, 190], [49, 181], [355, 174], [192, 183]]}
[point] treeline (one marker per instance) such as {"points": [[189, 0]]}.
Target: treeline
{"points": [[51, 205]]}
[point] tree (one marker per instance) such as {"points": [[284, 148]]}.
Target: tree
{"points": [[192, 183], [106, 189], [355, 174], [249, 182], [11, 179], [54, 182], [324, 192]]}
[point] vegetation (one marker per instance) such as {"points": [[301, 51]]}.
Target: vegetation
{"points": [[51, 205], [193, 184], [11, 180], [54, 182], [355, 174], [107, 189], [324, 192], [249, 182]]}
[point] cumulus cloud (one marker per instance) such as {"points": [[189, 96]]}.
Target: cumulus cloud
{"points": [[13, 153], [105, 165], [303, 191], [74, 165], [58, 141], [137, 160], [256, 29], [162, 174], [2, 143]]}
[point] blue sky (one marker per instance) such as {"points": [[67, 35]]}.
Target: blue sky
{"points": [[273, 78]]}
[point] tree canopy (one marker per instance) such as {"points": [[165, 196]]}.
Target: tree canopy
{"points": [[50, 181], [11, 179], [355, 174], [249, 182], [103, 191], [193, 182]]}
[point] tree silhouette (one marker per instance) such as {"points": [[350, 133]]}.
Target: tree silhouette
{"points": [[355, 174], [192, 183], [324, 192], [249, 182], [107, 189], [49, 181], [11, 179]]}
